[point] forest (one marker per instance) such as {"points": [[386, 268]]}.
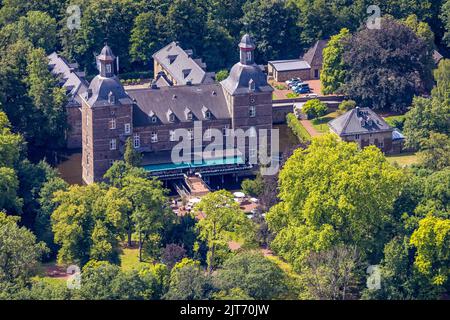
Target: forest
{"points": [[333, 212]]}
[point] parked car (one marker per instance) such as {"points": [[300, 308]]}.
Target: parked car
{"points": [[301, 88], [312, 95], [290, 82]]}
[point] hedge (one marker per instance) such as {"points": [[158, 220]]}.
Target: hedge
{"points": [[297, 128]]}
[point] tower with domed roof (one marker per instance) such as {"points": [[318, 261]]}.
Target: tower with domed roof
{"points": [[106, 119], [248, 94]]}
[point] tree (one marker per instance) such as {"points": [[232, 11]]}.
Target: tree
{"points": [[145, 37], [421, 29], [189, 282], [101, 21], [347, 105], [222, 220], [19, 252], [435, 151], [39, 28], [333, 71], [222, 75], [49, 101], [334, 274], [131, 156], [431, 240], [314, 108], [148, 206], [333, 193], [430, 115], [257, 276], [172, 254], [272, 24], [254, 187], [445, 17], [87, 223], [387, 67], [400, 279], [43, 225]]}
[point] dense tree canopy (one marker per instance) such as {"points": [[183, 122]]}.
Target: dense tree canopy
{"points": [[387, 67], [332, 193]]}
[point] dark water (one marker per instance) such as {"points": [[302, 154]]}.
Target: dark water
{"points": [[70, 169]]}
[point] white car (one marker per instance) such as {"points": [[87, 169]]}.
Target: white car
{"points": [[293, 80], [312, 95]]}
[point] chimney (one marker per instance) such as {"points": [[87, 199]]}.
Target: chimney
{"points": [[357, 111]]}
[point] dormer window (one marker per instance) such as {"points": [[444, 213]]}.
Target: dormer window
{"points": [[154, 119], [206, 113], [251, 85], [111, 98], [170, 116], [188, 113]]}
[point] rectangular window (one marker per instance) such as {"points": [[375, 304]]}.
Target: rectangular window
{"points": [[127, 128], [190, 134], [108, 68], [189, 116], [112, 124], [226, 131], [172, 135], [357, 137], [154, 137], [137, 141], [252, 111], [112, 144], [316, 73], [208, 134]]}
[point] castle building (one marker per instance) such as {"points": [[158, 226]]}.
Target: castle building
{"points": [[150, 116]]}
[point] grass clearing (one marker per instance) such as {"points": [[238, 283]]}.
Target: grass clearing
{"points": [[321, 124], [130, 259], [404, 160]]}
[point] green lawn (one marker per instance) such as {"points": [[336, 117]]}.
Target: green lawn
{"points": [[321, 124], [395, 121], [403, 160], [130, 259]]}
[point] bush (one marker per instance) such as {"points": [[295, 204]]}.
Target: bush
{"points": [[222, 75], [347, 105], [297, 128], [315, 108], [253, 188]]}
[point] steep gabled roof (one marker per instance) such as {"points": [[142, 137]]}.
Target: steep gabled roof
{"points": [[70, 78], [359, 121], [181, 66], [315, 54]]}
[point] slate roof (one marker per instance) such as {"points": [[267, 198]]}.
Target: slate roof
{"points": [[177, 100], [359, 121], [290, 65], [101, 88], [315, 54], [181, 66], [437, 57], [238, 82], [70, 78]]}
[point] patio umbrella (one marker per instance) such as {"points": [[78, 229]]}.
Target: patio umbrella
{"points": [[239, 194]]}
